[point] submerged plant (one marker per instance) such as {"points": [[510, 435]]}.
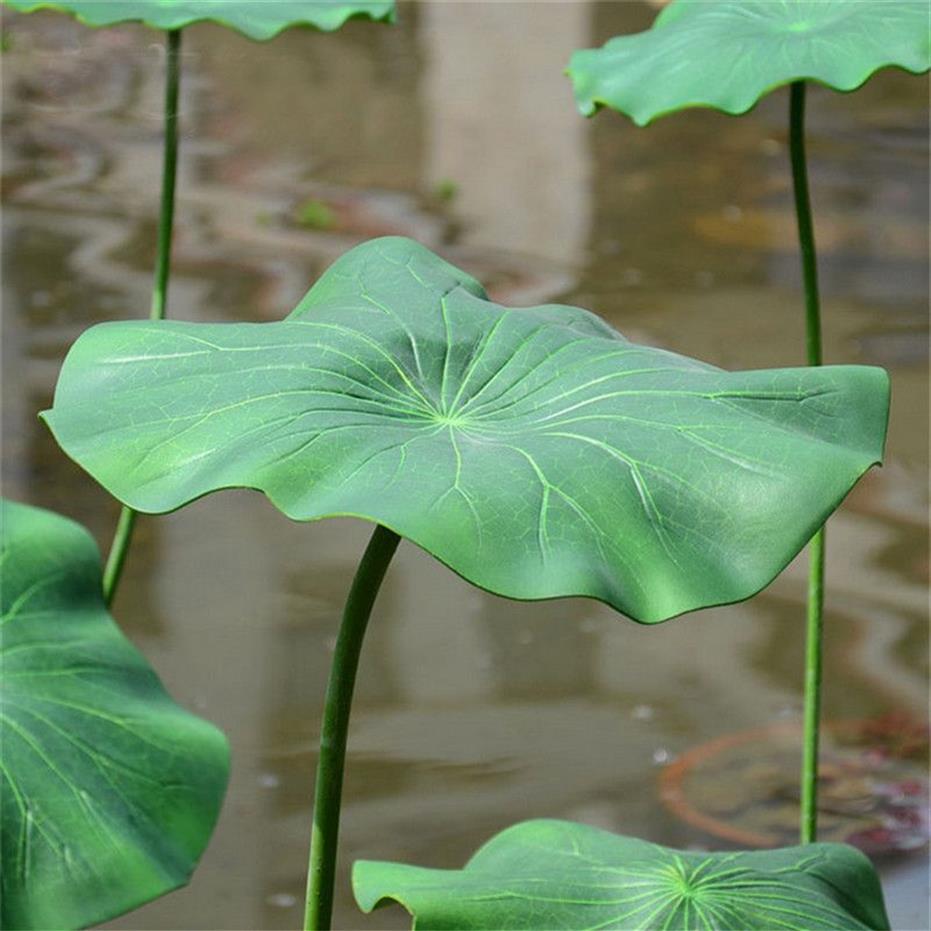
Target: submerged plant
{"points": [[563, 876], [536, 452], [727, 55], [109, 790], [256, 20]]}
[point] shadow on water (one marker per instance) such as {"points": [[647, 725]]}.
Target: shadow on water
{"points": [[457, 127]]}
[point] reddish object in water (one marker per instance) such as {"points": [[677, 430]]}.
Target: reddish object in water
{"points": [[743, 787]]}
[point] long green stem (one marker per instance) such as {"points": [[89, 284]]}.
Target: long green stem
{"points": [[806, 233], [124, 528], [321, 871], [815, 623], [812, 726]]}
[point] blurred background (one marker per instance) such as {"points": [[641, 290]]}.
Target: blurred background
{"points": [[457, 127]]}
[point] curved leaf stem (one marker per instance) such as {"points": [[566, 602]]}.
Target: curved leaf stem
{"points": [[124, 528], [321, 869], [118, 551], [815, 624]]}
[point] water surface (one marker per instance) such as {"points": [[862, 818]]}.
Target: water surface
{"points": [[457, 127]]}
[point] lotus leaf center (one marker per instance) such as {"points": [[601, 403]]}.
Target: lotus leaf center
{"points": [[451, 419]]}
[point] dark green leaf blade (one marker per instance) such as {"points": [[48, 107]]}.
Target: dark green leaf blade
{"points": [[536, 452], [728, 54], [258, 20], [110, 791], [559, 876]]}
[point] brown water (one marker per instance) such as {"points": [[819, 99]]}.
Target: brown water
{"points": [[472, 712]]}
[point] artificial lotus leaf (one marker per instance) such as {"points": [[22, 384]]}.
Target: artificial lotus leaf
{"points": [[551, 875], [535, 451], [109, 790], [730, 53], [257, 19]]}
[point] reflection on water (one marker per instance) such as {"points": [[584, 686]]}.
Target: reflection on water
{"points": [[472, 712]]}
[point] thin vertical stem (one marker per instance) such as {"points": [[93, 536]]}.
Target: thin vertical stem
{"points": [[124, 528], [812, 726], [166, 216], [815, 622], [806, 233], [321, 870]]}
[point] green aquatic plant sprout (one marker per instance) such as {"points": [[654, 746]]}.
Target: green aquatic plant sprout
{"points": [[109, 790], [535, 451], [257, 20], [727, 55], [564, 877]]}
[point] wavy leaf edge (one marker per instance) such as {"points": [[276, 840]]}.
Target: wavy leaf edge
{"points": [[382, 11], [593, 70], [499, 888], [316, 494], [70, 674]]}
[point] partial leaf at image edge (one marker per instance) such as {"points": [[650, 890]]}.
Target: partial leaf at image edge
{"points": [[259, 21], [535, 451], [109, 790], [729, 54], [560, 876]]}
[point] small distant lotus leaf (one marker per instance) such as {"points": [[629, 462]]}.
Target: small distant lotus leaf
{"points": [[109, 790], [560, 876], [535, 451], [730, 53], [257, 19]]}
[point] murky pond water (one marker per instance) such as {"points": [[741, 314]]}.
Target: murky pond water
{"points": [[457, 127]]}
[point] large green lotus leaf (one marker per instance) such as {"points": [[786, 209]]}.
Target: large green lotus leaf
{"points": [[536, 451], [549, 875], [257, 19], [729, 53], [109, 790]]}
